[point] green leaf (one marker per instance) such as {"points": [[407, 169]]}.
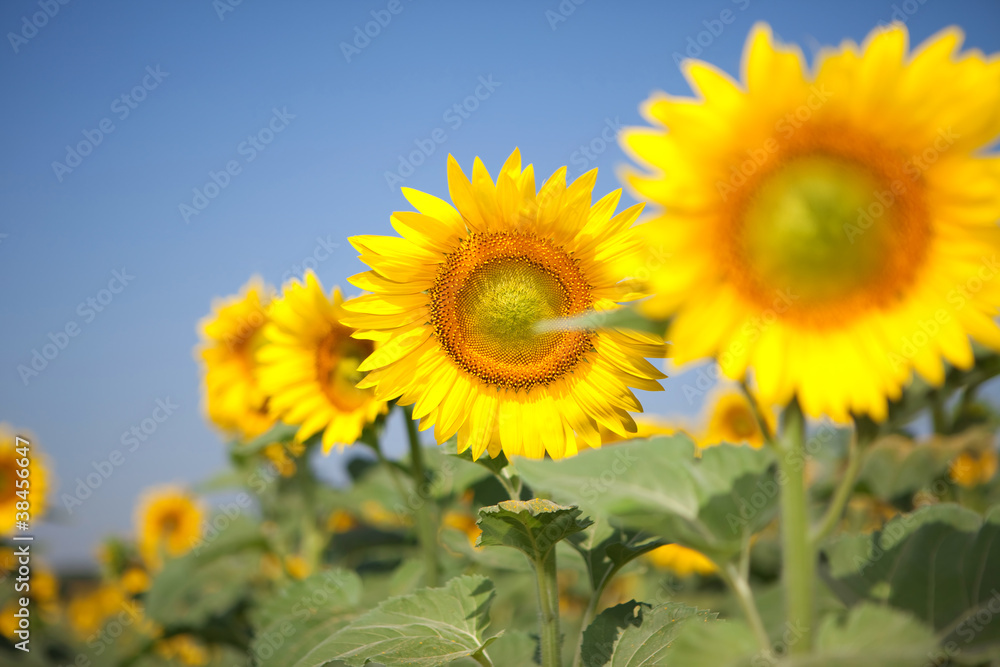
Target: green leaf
{"points": [[870, 636], [291, 623], [635, 633], [712, 504], [605, 549], [895, 465], [941, 563], [533, 527], [210, 580], [280, 432], [430, 627], [515, 648]]}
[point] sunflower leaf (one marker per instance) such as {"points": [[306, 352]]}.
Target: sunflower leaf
{"points": [[712, 504], [291, 623], [533, 527], [280, 432], [636, 633], [606, 549], [940, 563], [894, 466], [433, 626]]}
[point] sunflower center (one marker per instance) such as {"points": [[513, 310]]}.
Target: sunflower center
{"points": [[833, 226], [798, 225], [337, 359], [490, 295], [742, 425]]}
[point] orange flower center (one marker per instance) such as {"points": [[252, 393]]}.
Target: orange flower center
{"points": [[830, 225], [489, 297], [337, 359]]}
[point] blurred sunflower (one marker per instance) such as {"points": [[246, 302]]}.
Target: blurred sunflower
{"points": [[168, 522], [36, 485], [731, 419], [681, 560], [974, 467], [822, 226], [457, 303], [231, 336], [87, 611], [464, 522], [310, 366], [185, 649]]}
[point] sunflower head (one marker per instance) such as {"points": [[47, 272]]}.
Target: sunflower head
{"points": [[184, 649], [680, 560], [12, 487], [645, 427], [972, 468], [168, 523], [231, 336], [464, 303], [463, 522], [310, 366], [732, 419], [824, 226]]}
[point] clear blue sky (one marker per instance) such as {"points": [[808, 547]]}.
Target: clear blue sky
{"points": [[208, 80]]}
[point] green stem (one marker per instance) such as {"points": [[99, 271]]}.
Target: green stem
{"points": [[548, 609], [426, 527], [799, 557], [741, 589], [843, 493]]}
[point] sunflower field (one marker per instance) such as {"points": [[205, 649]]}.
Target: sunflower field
{"points": [[824, 230]]}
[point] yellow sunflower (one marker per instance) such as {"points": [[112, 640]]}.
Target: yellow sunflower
{"points": [[183, 649], [731, 419], [15, 488], [972, 468], [231, 336], [681, 560], [458, 301], [831, 229], [168, 523], [310, 366]]}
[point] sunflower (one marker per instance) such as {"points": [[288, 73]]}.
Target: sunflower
{"points": [[231, 336], [183, 649], [16, 489], [731, 419], [310, 366], [972, 468], [831, 230], [681, 560], [168, 522], [459, 299]]}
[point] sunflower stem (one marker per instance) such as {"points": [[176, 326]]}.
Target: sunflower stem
{"points": [[843, 493], [548, 609], [740, 587], [799, 570], [427, 531]]}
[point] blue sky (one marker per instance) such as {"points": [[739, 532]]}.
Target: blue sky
{"points": [[300, 120]]}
